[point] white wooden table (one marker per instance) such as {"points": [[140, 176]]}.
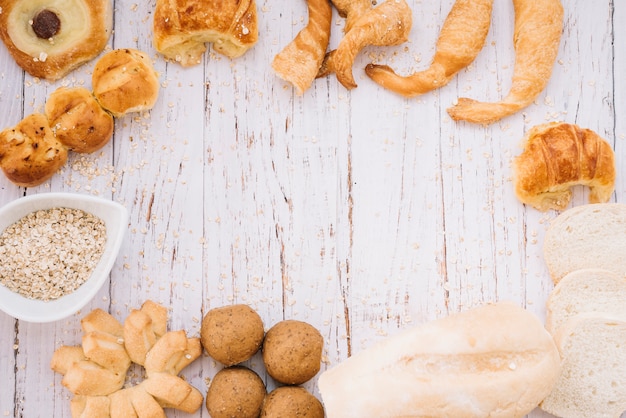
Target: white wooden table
{"points": [[360, 212]]}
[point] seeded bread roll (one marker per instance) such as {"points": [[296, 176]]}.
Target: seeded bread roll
{"points": [[124, 81], [182, 27], [291, 401], [77, 120], [235, 392], [29, 152], [49, 38]]}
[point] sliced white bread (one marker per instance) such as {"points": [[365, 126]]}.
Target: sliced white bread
{"points": [[586, 290], [587, 236], [592, 383]]}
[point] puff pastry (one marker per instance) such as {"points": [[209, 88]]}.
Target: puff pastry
{"points": [[299, 62], [182, 27], [49, 38], [351, 10], [537, 35], [385, 25], [558, 156], [461, 38]]}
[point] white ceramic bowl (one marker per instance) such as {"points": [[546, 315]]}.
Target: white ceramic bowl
{"points": [[115, 217]]}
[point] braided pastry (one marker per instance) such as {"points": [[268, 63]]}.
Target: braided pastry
{"points": [[95, 372], [49, 38]]}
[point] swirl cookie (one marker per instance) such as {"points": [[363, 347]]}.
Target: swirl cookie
{"points": [[49, 38]]}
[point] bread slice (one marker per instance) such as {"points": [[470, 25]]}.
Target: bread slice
{"points": [[587, 236], [592, 383], [586, 290]]}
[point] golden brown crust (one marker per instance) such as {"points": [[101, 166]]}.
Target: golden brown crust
{"points": [[299, 62], [461, 38], [538, 28], [385, 25], [29, 152], [106, 350], [173, 392], [182, 27], [91, 407], [83, 32], [124, 81], [352, 10], [77, 120], [558, 156]]}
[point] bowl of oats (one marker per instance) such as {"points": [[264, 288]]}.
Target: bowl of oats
{"points": [[56, 252]]}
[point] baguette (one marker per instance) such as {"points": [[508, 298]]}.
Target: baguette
{"points": [[492, 361]]}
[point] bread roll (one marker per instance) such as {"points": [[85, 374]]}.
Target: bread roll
{"points": [[91, 407], [592, 383], [77, 120], [587, 236], [586, 290], [106, 350], [49, 38], [496, 360], [558, 156], [182, 27], [124, 81], [29, 152]]}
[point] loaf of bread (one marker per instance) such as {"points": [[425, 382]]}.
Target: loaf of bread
{"points": [[124, 81], [77, 119], [558, 156], [30, 154], [592, 383], [587, 236], [496, 360], [183, 27], [49, 38], [586, 290]]}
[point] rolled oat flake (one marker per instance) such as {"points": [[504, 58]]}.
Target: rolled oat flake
{"points": [[50, 253]]}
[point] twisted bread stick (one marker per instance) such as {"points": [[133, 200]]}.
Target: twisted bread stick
{"points": [[300, 60], [461, 39], [538, 27]]}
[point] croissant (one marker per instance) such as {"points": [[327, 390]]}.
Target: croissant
{"points": [[351, 10], [300, 60], [537, 34], [461, 38], [558, 156], [384, 25]]}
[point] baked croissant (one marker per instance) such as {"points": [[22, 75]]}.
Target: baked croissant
{"points": [[558, 156], [351, 10], [537, 34], [461, 38], [300, 60], [385, 25]]}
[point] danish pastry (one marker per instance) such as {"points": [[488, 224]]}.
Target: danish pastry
{"points": [[299, 62], [49, 38], [124, 81], [29, 152], [77, 120], [385, 25], [558, 156], [536, 39], [461, 38], [183, 27]]}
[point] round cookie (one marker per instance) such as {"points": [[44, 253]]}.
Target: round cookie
{"points": [[292, 352], [235, 392], [77, 120], [124, 81], [29, 152], [49, 38], [291, 401], [232, 334]]}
